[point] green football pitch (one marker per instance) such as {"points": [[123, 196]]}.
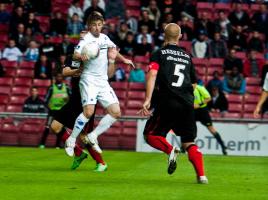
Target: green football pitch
{"points": [[31, 173]]}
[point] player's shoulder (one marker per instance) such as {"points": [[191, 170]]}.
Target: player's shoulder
{"points": [[104, 37]]}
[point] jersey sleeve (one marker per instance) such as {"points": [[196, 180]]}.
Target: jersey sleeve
{"points": [[154, 61], [192, 73], [265, 85], [109, 42], [69, 62], [203, 91], [79, 47]]}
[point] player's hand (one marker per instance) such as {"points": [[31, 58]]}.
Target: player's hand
{"points": [[112, 53], [145, 109], [129, 62], [256, 112]]}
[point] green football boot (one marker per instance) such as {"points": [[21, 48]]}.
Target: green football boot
{"points": [[78, 160], [100, 167]]}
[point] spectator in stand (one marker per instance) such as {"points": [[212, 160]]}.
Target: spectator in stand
{"points": [[131, 21], [74, 26], [12, 52], [167, 18], [32, 52], [159, 35], [186, 29], [239, 17], [203, 23], [223, 25], [94, 7], [58, 24], [252, 65], [48, 48], [33, 23], [28, 35], [87, 4], [218, 47], [184, 8], [237, 39], [66, 47], [137, 75], [119, 75], [234, 82], [42, 6], [122, 32], [112, 33], [25, 4], [232, 61], [143, 49], [214, 82], [127, 46], [255, 43], [145, 20], [200, 47], [4, 15], [115, 8], [2, 71], [43, 68], [260, 20], [144, 33], [34, 104], [75, 8], [218, 101], [17, 18], [154, 12], [19, 37]]}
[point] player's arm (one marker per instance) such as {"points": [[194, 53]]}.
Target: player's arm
{"points": [[205, 94], [68, 71], [125, 60], [112, 54], [264, 96]]}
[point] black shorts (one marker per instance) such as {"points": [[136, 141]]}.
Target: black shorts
{"points": [[171, 114], [69, 112], [202, 115]]}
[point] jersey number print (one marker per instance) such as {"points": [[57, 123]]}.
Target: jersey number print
{"points": [[177, 72]]}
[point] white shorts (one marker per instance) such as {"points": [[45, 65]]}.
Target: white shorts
{"points": [[93, 90]]}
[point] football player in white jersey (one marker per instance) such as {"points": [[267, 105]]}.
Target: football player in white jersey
{"points": [[263, 97], [94, 85]]}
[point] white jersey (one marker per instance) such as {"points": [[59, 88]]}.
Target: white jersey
{"points": [[98, 67], [265, 85]]}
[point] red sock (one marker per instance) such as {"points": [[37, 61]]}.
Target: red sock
{"points": [[77, 150], [159, 143], [196, 158], [95, 155]]}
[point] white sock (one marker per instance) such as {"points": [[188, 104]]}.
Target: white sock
{"points": [[80, 122], [104, 125]]}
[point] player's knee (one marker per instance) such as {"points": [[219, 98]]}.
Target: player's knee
{"points": [[55, 127], [88, 112], [116, 114]]}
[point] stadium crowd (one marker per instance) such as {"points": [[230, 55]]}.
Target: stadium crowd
{"points": [[233, 33]]}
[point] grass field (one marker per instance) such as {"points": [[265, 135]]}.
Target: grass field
{"points": [[31, 173]]}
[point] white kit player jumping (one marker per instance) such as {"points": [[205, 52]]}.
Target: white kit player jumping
{"points": [[94, 85]]}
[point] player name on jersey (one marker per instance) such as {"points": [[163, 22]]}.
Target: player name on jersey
{"points": [[173, 52]]}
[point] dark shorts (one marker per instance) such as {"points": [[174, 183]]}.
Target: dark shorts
{"points": [[68, 114], [202, 115], [171, 114]]}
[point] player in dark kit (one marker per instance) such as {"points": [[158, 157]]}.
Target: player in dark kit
{"points": [[171, 69], [65, 117]]}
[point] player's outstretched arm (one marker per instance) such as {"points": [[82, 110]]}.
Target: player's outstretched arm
{"points": [[125, 60], [264, 96], [112, 54], [68, 71]]}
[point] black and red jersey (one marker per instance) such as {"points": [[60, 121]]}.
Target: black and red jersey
{"points": [[176, 73]]}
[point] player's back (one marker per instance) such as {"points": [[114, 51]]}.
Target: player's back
{"points": [[176, 73]]}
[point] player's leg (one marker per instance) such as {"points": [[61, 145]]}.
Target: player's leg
{"points": [[110, 102], [45, 132], [205, 119]]}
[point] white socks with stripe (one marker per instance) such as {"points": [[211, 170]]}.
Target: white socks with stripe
{"points": [[80, 122], [104, 124]]}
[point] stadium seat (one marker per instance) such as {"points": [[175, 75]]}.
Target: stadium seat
{"points": [[5, 90], [235, 108], [232, 115], [248, 116], [136, 86], [14, 108], [215, 114], [121, 95], [42, 91], [119, 85], [11, 72], [4, 98], [249, 108], [9, 134], [9, 64], [41, 83], [2, 109], [56, 40], [23, 91], [200, 61], [187, 45], [134, 104], [108, 142], [136, 95], [23, 82], [30, 134], [4, 28], [25, 73], [141, 59], [223, 6], [216, 62], [200, 70], [44, 22], [253, 89], [134, 13], [204, 6], [212, 69], [234, 98], [241, 55], [251, 99], [26, 65], [16, 100], [253, 81], [3, 37], [6, 81]]}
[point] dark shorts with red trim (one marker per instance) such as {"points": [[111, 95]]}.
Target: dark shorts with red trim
{"points": [[68, 114], [202, 115], [171, 114]]}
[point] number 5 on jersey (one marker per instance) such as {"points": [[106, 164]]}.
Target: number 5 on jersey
{"points": [[177, 72]]}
